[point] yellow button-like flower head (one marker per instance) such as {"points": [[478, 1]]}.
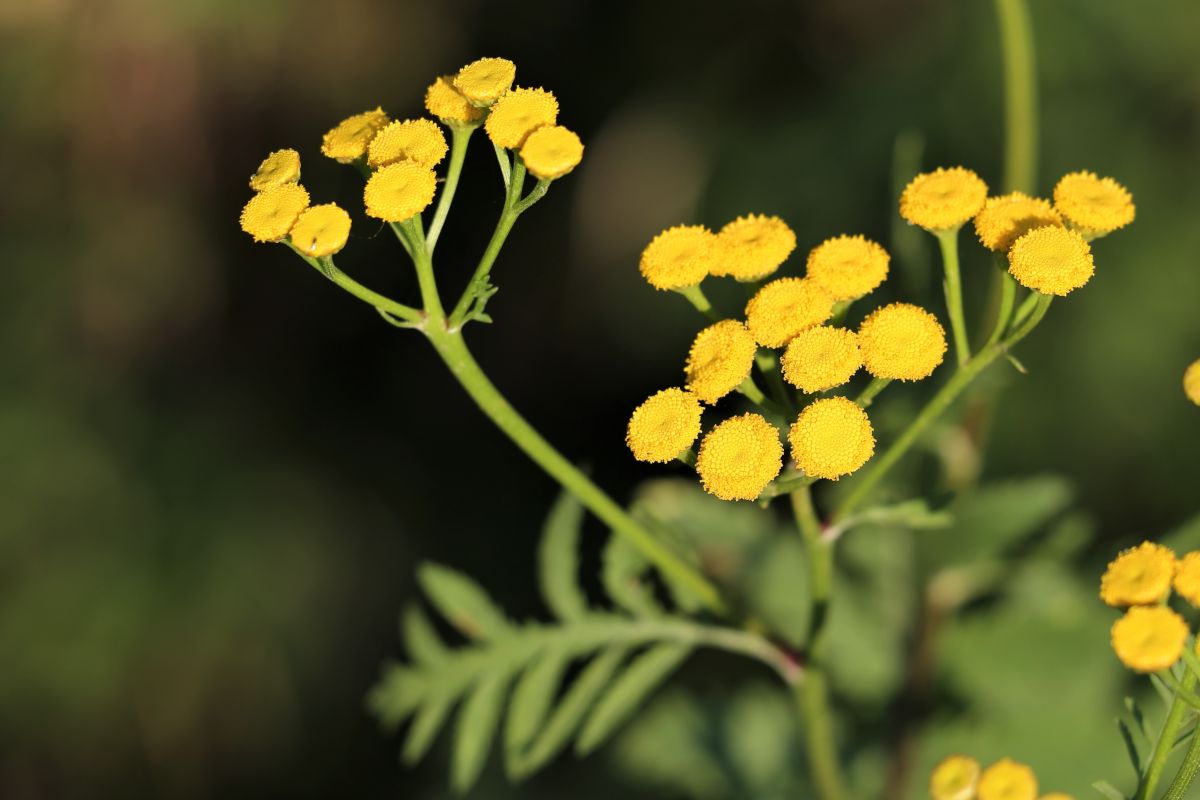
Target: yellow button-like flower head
{"points": [[831, 438], [739, 457], [678, 257], [1051, 260], [270, 214], [1056, 796], [784, 308], [445, 102], [954, 778], [901, 342], [664, 426], [1139, 576], [399, 191], [1007, 780], [321, 230], [848, 267], [282, 166], [348, 140], [1007, 218], [753, 247], [943, 199], [1187, 578], [551, 152], [483, 82], [821, 358], [1092, 204], [417, 140], [1191, 382], [720, 359], [518, 114], [1149, 638]]}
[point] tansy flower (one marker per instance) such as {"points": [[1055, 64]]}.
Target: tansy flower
{"points": [[1007, 218], [270, 214], [445, 102], [1187, 578], [321, 230], [831, 438], [282, 166], [482, 82], [720, 359], [399, 191], [1191, 382], [739, 457], [943, 199], [417, 140], [1094, 205], [954, 778], [784, 307], [752, 247], [1139, 576], [518, 114], [348, 140], [664, 426], [1007, 780], [678, 257], [848, 266], [821, 358], [1057, 796], [1051, 260], [1149, 638], [901, 342], [551, 152]]}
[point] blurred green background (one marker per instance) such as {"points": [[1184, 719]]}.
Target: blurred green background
{"points": [[219, 472]]}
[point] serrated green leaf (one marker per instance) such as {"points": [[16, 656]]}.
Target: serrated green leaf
{"points": [[462, 602], [531, 700], [420, 639], [425, 727], [624, 573], [558, 559], [1108, 790], [642, 677], [476, 728]]}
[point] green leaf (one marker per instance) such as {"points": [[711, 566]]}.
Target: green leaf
{"points": [[645, 674], [425, 727], [397, 694], [1139, 719], [462, 602], [1130, 748], [531, 700], [1184, 538], [420, 639], [558, 559], [1108, 790], [476, 728], [624, 572]]}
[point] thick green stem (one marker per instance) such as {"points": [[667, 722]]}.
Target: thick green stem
{"points": [[948, 240], [1165, 743], [1187, 772], [424, 266], [459, 136], [1020, 96], [812, 701]]}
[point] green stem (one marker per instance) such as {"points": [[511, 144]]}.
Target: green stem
{"points": [[1008, 294], [873, 389], [1187, 772], [750, 389], [1020, 96], [1165, 743], [812, 699], [459, 136], [768, 364], [424, 266], [695, 295], [326, 267], [948, 240], [508, 215], [505, 164]]}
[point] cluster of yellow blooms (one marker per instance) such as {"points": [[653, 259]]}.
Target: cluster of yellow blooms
{"points": [[962, 778], [1150, 636]]}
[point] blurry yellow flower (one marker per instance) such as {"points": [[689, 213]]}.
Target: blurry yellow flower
{"points": [[784, 307], [518, 114], [282, 166], [1007, 218], [1187, 578], [1191, 382], [678, 257], [752, 247], [1007, 780], [1094, 205], [739, 457], [551, 152], [321, 230], [1051, 260], [954, 778], [943, 199], [831, 438], [720, 359], [821, 358], [1149, 638], [399, 191], [270, 214], [417, 140], [348, 140], [901, 342], [1139, 576], [1056, 796], [445, 102], [483, 82], [848, 267], [664, 426]]}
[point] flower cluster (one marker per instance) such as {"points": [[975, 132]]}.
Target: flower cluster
{"points": [[960, 777]]}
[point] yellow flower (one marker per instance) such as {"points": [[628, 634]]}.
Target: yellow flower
{"points": [[1094, 205], [821, 358], [282, 166], [1139, 576], [1007, 780], [1051, 260], [417, 140], [664, 426], [943, 199], [399, 191], [1187, 578], [848, 267], [483, 82], [720, 359], [831, 438], [551, 152], [954, 778], [518, 114], [321, 230], [784, 308], [1149, 638], [678, 257], [348, 140], [901, 341], [1007, 218], [1191, 382], [752, 247], [1056, 796], [270, 214], [739, 457], [445, 102]]}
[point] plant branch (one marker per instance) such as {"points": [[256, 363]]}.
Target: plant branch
{"points": [[948, 241], [459, 136]]}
